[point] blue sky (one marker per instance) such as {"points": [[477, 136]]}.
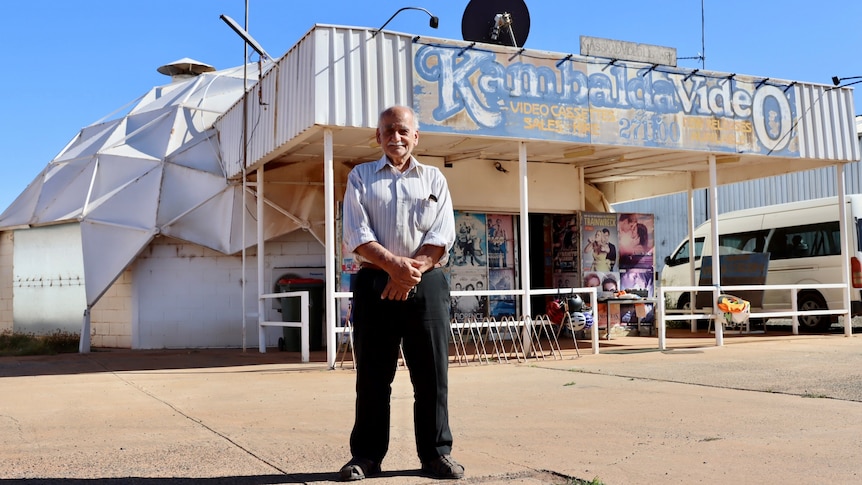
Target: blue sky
{"points": [[69, 64]]}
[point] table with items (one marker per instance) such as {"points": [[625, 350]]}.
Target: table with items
{"points": [[640, 305]]}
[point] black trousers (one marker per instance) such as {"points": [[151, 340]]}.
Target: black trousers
{"points": [[422, 324]]}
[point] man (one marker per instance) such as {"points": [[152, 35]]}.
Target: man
{"points": [[398, 220]]}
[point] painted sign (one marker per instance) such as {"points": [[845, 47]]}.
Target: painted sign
{"points": [[477, 91]]}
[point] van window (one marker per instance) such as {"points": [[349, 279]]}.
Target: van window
{"points": [[742, 242], [682, 254], [859, 234], [805, 241]]}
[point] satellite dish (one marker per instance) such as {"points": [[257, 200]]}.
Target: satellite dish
{"points": [[504, 22]]}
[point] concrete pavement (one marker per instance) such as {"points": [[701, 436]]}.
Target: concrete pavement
{"points": [[778, 409]]}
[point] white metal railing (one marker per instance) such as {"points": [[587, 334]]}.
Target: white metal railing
{"points": [[793, 312], [520, 322], [302, 324]]}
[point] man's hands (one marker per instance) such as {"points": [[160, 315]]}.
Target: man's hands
{"points": [[403, 276], [404, 273]]}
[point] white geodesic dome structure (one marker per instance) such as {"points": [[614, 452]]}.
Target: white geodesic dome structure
{"points": [[154, 170]]}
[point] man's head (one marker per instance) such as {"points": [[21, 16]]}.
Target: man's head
{"points": [[606, 235], [398, 134]]}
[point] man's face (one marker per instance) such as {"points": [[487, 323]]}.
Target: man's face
{"points": [[606, 237], [397, 135]]}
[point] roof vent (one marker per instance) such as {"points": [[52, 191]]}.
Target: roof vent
{"points": [[184, 68]]}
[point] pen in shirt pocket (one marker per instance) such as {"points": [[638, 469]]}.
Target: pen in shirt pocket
{"points": [[432, 198]]}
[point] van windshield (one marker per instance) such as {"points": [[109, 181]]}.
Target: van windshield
{"points": [[682, 255]]}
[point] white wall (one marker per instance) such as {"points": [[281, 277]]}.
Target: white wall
{"points": [[186, 296], [476, 185], [48, 280], [6, 250]]}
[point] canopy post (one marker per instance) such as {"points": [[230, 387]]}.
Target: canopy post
{"points": [[524, 181], [845, 245], [716, 267], [261, 255], [329, 236]]}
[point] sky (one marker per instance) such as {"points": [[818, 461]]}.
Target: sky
{"points": [[70, 64]]}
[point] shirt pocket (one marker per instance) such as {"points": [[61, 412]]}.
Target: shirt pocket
{"points": [[426, 213]]}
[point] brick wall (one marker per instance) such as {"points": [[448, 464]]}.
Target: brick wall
{"points": [[111, 317]]}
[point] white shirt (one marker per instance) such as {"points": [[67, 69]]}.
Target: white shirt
{"points": [[402, 211]]}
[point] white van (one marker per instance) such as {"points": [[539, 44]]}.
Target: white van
{"points": [[803, 242]]}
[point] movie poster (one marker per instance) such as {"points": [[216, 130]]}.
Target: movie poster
{"points": [[565, 243], [599, 260], [599, 242], [470, 241], [468, 265], [636, 240], [502, 306], [500, 241]]}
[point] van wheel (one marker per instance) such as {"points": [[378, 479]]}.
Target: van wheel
{"points": [[684, 302], [811, 300]]}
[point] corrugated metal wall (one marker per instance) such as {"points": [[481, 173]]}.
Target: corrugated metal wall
{"points": [[334, 76], [671, 217]]}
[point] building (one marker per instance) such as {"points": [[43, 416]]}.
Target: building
{"points": [[138, 226]]}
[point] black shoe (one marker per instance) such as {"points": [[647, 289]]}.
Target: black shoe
{"points": [[443, 467], [357, 469]]}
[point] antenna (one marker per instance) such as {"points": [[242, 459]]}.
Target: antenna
{"points": [[245, 36], [503, 22]]}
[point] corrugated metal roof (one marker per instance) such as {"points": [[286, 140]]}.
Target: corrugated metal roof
{"points": [[340, 78]]}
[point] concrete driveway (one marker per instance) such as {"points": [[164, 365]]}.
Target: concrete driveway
{"points": [[784, 409]]}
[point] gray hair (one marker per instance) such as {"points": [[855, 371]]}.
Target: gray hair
{"points": [[392, 111]]}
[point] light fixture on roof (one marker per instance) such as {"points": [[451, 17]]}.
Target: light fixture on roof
{"points": [[434, 22], [838, 80], [184, 68], [245, 36]]}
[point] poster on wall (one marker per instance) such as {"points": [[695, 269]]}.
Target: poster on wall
{"points": [[471, 238], [565, 243], [599, 255], [636, 240], [468, 265], [500, 241], [464, 307], [599, 242], [483, 258], [502, 306]]}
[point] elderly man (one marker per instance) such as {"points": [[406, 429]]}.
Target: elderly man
{"points": [[398, 220]]}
